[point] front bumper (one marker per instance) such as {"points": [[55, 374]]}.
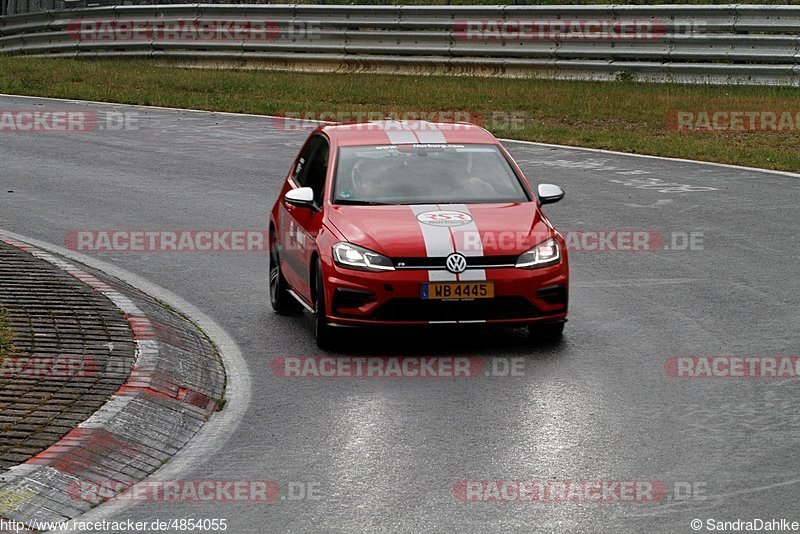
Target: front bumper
{"points": [[393, 298]]}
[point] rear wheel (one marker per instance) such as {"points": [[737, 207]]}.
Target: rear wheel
{"points": [[546, 332], [323, 332], [282, 302]]}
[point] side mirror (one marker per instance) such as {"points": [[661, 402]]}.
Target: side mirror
{"points": [[549, 193], [302, 197]]}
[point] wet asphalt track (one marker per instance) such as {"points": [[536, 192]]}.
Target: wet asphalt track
{"points": [[386, 453]]}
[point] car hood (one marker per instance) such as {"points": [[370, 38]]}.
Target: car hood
{"points": [[420, 231]]}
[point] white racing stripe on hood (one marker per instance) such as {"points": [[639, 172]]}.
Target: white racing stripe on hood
{"points": [[398, 133], [469, 248], [438, 243], [429, 133]]}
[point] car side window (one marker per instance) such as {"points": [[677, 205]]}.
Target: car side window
{"points": [[317, 171], [312, 167], [300, 172]]}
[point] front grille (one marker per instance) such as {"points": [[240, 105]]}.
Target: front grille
{"points": [[473, 262], [498, 308]]}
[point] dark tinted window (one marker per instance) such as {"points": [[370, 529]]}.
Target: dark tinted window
{"points": [[312, 167]]}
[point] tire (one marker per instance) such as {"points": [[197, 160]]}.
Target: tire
{"points": [[282, 302], [546, 332], [323, 332]]}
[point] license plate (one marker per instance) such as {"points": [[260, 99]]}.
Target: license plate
{"points": [[457, 290]]}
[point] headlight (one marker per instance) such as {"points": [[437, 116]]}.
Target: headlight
{"points": [[363, 259], [546, 253]]}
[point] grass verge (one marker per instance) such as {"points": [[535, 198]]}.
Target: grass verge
{"points": [[623, 115], [5, 335]]}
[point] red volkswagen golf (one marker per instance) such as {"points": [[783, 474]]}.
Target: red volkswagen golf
{"points": [[415, 223]]}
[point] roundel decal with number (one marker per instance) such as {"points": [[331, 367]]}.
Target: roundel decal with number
{"points": [[444, 218]]}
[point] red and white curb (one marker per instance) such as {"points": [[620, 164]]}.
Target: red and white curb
{"points": [[150, 418]]}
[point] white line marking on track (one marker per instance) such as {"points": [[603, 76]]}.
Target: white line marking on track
{"points": [[713, 500], [536, 143]]}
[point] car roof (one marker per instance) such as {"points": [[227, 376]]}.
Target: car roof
{"points": [[392, 132]]}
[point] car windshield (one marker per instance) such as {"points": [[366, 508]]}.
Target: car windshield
{"points": [[425, 174]]}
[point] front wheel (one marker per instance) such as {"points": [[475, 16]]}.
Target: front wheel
{"points": [[282, 302], [323, 332]]}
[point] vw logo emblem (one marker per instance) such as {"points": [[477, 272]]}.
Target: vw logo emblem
{"points": [[456, 263]]}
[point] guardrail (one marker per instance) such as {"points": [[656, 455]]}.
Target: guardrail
{"points": [[746, 44]]}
